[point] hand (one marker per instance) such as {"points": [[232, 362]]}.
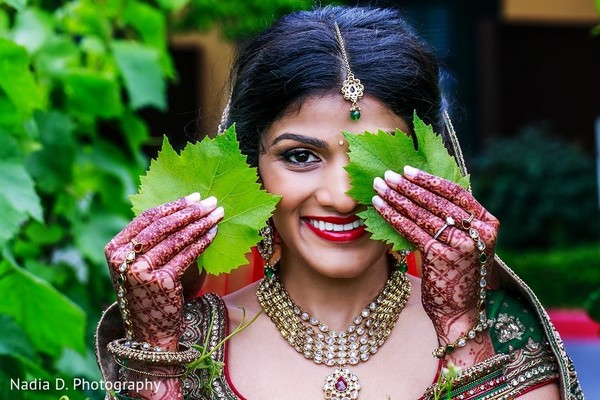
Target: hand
{"points": [[417, 205], [172, 236]]}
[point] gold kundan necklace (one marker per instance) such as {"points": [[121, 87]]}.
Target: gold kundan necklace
{"points": [[313, 338]]}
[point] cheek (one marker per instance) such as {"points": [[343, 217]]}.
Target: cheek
{"points": [[291, 185], [286, 218], [292, 198], [295, 191], [295, 188]]}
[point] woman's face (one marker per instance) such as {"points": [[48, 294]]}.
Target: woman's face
{"points": [[303, 159]]}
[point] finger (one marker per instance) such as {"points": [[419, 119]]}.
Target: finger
{"points": [[163, 227], [190, 254], [146, 218], [435, 196], [449, 190], [173, 244], [428, 221], [452, 192], [427, 198], [444, 223], [417, 235], [407, 228]]}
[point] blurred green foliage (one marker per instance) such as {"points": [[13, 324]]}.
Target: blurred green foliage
{"points": [[562, 277], [74, 76], [543, 191], [237, 19], [593, 305]]}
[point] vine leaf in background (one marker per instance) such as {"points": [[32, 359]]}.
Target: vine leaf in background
{"points": [[373, 154], [212, 167]]}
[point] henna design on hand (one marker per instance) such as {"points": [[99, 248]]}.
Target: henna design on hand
{"points": [[417, 205], [174, 236]]}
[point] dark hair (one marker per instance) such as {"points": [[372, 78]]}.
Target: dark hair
{"points": [[299, 56]]}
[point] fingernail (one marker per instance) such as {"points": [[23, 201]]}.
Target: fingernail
{"points": [[209, 202], [411, 172], [378, 202], [392, 177], [213, 230], [193, 198], [217, 213], [380, 184]]}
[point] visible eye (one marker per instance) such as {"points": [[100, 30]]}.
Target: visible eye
{"points": [[300, 156]]}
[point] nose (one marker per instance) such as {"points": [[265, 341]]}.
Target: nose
{"points": [[332, 189]]}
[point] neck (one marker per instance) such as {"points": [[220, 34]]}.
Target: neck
{"points": [[334, 301]]}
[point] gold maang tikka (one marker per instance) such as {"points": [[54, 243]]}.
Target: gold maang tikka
{"points": [[352, 89]]}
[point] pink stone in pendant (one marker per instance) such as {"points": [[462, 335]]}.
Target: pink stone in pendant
{"points": [[341, 385]]}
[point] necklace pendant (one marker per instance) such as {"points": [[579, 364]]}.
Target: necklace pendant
{"points": [[341, 385]]}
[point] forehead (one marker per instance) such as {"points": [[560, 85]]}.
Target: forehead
{"points": [[326, 116]]}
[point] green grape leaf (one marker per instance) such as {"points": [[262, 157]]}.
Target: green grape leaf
{"points": [[50, 172], [142, 74], [18, 5], [373, 154], [16, 79], [14, 341], [32, 28], [89, 93], [212, 167], [18, 199], [28, 311], [172, 5], [149, 21], [56, 57]]}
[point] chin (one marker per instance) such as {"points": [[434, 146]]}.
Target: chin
{"points": [[332, 259], [343, 264], [340, 272]]}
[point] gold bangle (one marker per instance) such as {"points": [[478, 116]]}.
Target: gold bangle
{"points": [[157, 375], [122, 348]]}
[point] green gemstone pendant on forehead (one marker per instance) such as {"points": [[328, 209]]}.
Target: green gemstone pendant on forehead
{"points": [[352, 89]]}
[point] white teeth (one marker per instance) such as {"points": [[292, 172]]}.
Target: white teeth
{"points": [[328, 226]]}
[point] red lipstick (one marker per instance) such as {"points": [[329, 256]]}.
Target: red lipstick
{"points": [[339, 235]]}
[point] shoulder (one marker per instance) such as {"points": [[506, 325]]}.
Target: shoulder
{"points": [[245, 296], [242, 303], [210, 303]]}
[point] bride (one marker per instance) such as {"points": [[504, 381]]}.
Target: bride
{"points": [[337, 316]]}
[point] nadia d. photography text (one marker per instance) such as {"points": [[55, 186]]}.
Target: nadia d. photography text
{"points": [[80, 384]]}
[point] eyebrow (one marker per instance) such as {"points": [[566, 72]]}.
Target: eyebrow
{"points": [[302, 139]]}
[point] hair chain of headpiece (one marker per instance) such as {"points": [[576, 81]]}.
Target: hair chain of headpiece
{"points": [[224, 117], [352, 89], [458, 155]]}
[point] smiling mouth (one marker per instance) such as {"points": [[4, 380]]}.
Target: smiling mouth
{"points": [[331, 227], [336, 229]]}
